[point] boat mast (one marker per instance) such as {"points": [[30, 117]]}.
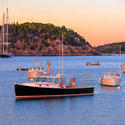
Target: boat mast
{"points": [[120, 60], [3, 34], [7, 25], [62, 54], [59, 57]]}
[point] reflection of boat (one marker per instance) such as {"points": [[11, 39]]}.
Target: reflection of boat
{"points": [[4, 44], [96, 63], [51, 86], [111, 79]]}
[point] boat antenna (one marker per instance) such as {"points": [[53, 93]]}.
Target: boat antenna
{"points": [[48, 62], [37, 63], [120, 59], [62, 54]]}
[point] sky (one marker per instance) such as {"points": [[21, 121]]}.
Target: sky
{"points": [[98, 21]]}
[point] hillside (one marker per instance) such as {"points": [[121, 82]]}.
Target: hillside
{"points": [[45, 39], [111, 48]]}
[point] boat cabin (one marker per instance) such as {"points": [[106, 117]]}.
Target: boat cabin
{"points": [[34, 72], [59, 81], [109, 75]]}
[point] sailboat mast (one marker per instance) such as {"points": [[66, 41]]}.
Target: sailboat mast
{"points": [[62, 54], [3, 33], [7, 25]]}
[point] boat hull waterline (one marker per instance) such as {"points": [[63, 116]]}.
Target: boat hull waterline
{"points": [[5, 55], [24, 92]]}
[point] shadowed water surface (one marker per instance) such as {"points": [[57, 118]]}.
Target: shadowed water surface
{"points": [[106, 107]]}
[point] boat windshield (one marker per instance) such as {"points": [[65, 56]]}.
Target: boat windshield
{"points": [[117, 74], [49, 80], [44, 79], [59, 80], [41, 79], [109, 74]]}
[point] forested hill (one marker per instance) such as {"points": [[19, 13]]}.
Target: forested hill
{"points": [[45, 39], [113, 48]]}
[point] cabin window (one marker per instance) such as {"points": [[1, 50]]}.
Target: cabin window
{"points": [[59, 80], [50, 80], [111, 74], [38, 79], [43, 79], [117, 74], [56, 80]]}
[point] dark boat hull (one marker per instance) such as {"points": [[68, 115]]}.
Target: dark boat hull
{"points": [[5, 55], [23, 92]]}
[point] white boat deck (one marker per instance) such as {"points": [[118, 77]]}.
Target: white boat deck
{"points": [[42, 84]]}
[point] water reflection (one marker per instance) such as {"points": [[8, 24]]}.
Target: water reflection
{"points": [[110, 89]]}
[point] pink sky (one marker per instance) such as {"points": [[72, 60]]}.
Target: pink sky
{"points": [[99, 21]]}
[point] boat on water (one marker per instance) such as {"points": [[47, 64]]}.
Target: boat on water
{"points": [[111, 79], [5, 55], [51, 86], [95, 63], [37, 71], [46, 86], [4, 44]]}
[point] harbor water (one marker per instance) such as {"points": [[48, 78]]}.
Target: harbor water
{"points": [[106, 107]]}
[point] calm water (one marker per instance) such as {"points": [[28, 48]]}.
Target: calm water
{"points": [[106, 107]]}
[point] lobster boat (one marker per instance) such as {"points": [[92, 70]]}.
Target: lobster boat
{"points": [[51, 86]]}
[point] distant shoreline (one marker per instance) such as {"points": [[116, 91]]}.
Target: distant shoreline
{"points": [[57, 55]]}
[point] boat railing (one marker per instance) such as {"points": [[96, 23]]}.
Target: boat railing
{"points": [[83, 80]]}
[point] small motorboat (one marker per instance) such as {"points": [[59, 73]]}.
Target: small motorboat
{"points": [[51, 86], [111, 79], [96, 63], [37, 71]]}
